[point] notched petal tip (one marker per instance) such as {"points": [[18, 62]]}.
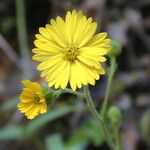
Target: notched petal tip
{"points": [[34, 50], [73, 87], [68, 13], [36, 42], [102, 59], [52, 21], [41, 29], [35, 58], [63, 86], [102, 71], [89, 19], [30, 117], [57, 84], [80, 13], [74, 11], [18, 105], [37, 36], [59, 19], [94, 25]]}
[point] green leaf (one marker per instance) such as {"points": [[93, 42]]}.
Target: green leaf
{"points": [[10, 104], [88, 132], [34, 125], [78, 139], [77, 142], [77, 147], [55, 142], [11, 133]]}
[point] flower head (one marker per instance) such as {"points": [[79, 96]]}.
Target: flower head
{"points": [[69, 52], [32, 99]]}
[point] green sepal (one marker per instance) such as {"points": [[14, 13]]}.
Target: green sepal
{"points": [[51, 95], [48, 95]]}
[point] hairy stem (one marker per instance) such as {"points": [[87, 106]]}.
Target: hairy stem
{"points": [[94, 112], [108, 88], [117, 138], [78, 94]]}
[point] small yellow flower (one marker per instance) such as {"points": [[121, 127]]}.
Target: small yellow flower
{"points": [[69, 52], [32, 99]]}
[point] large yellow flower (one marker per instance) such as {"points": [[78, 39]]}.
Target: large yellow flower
{"points": [[33, 101], [69, 52]]}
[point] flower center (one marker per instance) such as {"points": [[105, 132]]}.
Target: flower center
{"points": [[38, 98], [71, 53]]}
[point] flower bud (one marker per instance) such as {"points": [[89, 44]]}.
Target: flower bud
{"points": [[116, 49], [114, 115]]}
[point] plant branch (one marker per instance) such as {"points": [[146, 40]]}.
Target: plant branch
{"points": [[94, 112], [109, 84], [78, 94], [117, 140]]}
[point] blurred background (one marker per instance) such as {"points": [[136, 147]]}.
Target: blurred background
{"points": [[68, 125]]}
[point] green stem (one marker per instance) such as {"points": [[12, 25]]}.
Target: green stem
{"points": [[117, 139], [94, 112], [78, 94], [22, 35], [109, 83]]}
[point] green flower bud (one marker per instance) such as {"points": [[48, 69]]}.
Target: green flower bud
{"points": [[114, 115], [51, 95], [116, 49], [48, 95]]}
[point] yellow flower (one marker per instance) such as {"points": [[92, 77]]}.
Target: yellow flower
{"points": [[32, 99], [69, 52]]}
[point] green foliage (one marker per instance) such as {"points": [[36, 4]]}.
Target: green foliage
{"points": [[51, 115], [13, 132], [54, 142], [18, 132], [89, 131], [10, 104]]}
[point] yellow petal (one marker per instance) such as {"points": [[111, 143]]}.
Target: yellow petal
{"points": [[43, 108], [88, 34], [65, 76], [97, 39], [50, 63], [55, 36], [89, 62], [95, 51]]}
